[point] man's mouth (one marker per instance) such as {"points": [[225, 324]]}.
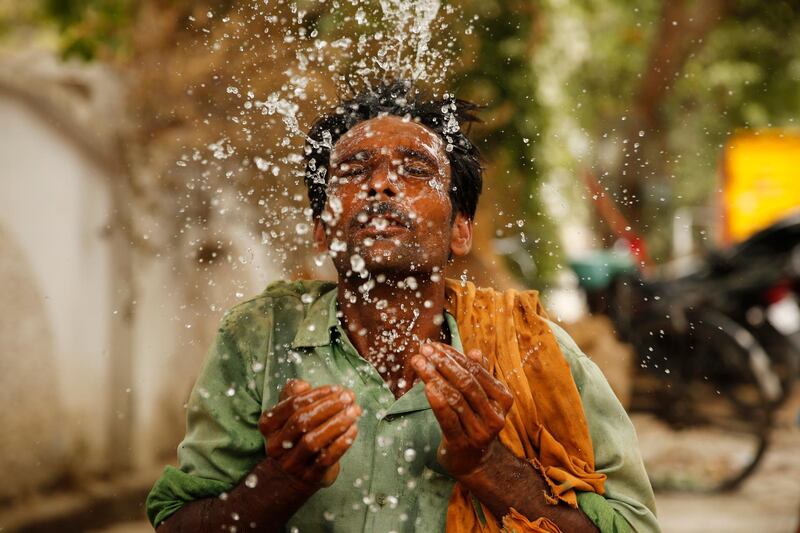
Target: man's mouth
{"points": [[383, 222], [382, 218]]}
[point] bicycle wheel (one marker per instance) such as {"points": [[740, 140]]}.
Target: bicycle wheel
{"points": [[704, 379]]}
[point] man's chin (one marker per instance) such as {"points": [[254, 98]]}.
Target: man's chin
{"points": [[399, 261]]}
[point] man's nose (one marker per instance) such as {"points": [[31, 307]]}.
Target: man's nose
{"points": [[383, 181]]}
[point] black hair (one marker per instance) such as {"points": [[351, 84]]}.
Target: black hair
{"points": [[445, 116]]}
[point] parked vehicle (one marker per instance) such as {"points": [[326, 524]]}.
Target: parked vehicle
{"points": [[712, 354]]}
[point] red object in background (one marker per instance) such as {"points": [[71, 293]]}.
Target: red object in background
{"points": [[777, 293], [617, 222]]}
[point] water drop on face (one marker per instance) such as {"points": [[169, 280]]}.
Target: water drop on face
{"points": [[357, 263], [410, 454], [301, 228]]}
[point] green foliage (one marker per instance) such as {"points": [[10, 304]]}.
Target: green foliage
{"points": [[91, 28], [501, 79], [747, 75], [558, 79]]}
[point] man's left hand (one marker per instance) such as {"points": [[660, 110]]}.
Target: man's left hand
{"points": [[469, 403]]}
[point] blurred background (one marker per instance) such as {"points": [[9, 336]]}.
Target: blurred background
{"points": [[642, 171]]}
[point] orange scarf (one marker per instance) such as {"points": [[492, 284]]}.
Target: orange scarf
{"points": [[546, 424]]}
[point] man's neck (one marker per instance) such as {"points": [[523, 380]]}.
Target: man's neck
{"points": [[387, 320]]}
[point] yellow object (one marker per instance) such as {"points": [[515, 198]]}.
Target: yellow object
{"points": [[546, 425], [761, 181]]}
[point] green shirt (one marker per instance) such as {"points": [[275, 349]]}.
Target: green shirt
{"points": [[389, 479]]}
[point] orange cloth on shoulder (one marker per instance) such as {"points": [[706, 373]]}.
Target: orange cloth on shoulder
{"points": [[546, 424]]}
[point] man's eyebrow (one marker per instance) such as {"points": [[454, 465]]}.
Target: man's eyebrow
{"points": [[360, 155], [416, 154]]}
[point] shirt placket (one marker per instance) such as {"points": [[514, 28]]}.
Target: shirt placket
{"points": [[376, 400]]}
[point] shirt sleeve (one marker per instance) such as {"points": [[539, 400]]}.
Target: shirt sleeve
{"points": [[222, 442], [628, 493]]}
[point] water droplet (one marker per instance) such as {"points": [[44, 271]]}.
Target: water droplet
{"points": [[410, 454], [251, 481], [357, 263]]}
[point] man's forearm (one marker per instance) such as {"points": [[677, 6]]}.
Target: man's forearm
{"points": [[264, 506], [504, 481]]}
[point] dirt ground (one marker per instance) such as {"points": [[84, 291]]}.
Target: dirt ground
{"points": [[767, 502]]}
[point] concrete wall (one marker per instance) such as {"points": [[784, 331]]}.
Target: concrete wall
{"points": [[69, 262], [54, 206]]}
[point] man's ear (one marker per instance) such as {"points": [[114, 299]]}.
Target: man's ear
{"points": [[320, 242], [461, 235]]}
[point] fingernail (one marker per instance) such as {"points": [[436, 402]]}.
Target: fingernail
{"points": [[427, 349], [346, 397]]}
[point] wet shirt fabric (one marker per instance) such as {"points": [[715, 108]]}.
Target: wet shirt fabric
{"points": [[389, 479]]}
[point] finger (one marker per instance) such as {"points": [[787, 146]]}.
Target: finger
{"points": [[494, 388], [478, 357], [447, 417], [308, 418], [294, 387], [476, 431], [465, 382], [272, 420], [469, 426], [326, 467], [423, 368], [336, 449], [317, 439]]}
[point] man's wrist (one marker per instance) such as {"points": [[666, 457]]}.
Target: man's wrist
{"points": [[481, 472], [270, 469]]}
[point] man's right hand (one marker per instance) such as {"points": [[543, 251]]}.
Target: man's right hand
{"points": [[310, 429]]}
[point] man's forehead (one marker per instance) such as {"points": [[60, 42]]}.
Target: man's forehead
{"points": [[389, 132]]}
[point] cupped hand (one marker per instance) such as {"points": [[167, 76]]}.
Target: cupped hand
{"points": [[470, 404], [310, 429]]}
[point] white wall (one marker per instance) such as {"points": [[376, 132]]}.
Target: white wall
{"points": [[54, 202], [56, 206]]}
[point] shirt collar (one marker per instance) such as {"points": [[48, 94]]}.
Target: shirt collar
{"points": [[315, 328]]}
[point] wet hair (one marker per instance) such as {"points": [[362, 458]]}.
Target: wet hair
{"points": [[445, 116]]}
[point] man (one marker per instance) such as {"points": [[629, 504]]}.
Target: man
{"points": [[396, 400]]}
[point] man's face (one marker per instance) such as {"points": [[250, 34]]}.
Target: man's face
{"points": [[388, 201]]}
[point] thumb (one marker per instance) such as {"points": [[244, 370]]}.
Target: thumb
{"points": [[294, 387]]}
